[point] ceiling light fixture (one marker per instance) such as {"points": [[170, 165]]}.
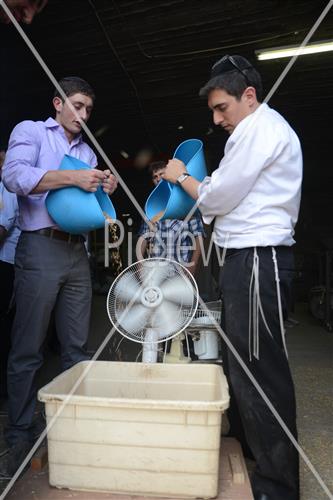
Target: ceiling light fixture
{"points": [[294, 50]]}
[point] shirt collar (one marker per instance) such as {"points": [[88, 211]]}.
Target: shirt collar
{"points": [[247, 122], [52, 123]]}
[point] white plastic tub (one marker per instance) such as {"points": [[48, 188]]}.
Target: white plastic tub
{"points": [[134, 428]]}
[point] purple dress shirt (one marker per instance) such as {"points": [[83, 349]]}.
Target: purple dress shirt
{"points": [[34, 148]]}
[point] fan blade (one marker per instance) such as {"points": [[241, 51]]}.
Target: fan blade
{"points": [[178, 290], [167, 319], [127, 289], [154, 272], [133, 319]]}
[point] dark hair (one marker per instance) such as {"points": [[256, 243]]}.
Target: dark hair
{"points": [[74, 85], [156, 165], [233, 74]]}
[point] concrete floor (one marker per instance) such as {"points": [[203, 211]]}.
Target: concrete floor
{"points": [[310, 349]]}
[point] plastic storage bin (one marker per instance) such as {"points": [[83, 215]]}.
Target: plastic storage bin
{"points": [[135, 428]]}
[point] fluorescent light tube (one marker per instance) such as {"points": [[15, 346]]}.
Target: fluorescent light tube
{"points": [[276, 53]]}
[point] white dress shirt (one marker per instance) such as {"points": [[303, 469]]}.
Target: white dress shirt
{"points": [[8, 219], [254, 195]]}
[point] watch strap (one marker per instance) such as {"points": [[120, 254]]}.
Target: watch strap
{"points": [[182, 177]]}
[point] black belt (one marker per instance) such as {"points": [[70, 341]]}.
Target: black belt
{"points": [[58, 235]]}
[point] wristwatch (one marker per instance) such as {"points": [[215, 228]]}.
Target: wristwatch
{"points": [[182, 177]]}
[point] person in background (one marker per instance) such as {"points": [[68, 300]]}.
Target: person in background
{"points": [[24, 11], [172, 239], [51, 266], [9, 234], [254, 197]]}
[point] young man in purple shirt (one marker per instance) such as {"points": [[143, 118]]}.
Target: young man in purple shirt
{"points": [[51, 266]]}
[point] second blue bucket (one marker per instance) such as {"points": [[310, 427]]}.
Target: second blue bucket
{"points": [[75, 210], [170, 199]]}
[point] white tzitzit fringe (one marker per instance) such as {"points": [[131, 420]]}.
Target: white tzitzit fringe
{"points": [[255, 307], [278, 292], [225, 247]]}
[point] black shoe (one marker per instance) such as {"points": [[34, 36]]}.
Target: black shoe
{"points": [[11, 461]]}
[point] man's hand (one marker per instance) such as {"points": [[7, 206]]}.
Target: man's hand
{"points": [[89, 180], [86, 179], [109, 183], [173, 170]]}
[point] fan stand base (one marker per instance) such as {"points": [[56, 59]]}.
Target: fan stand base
{"points": [[176, 354]]}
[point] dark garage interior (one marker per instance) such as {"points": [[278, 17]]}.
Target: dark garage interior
{"points": [[146, 61]]}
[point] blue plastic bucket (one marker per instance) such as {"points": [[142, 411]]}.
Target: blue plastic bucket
{"points": [[75, 210], [171, 199]]}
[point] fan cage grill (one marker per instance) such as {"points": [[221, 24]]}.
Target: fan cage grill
{"points": [[144, 275]]}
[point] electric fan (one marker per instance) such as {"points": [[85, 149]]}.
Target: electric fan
{"points": [[152, 301]]}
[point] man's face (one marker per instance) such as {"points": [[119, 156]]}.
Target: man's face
{"points": [[23, 10], [72, 122], [227, 110], [157, 176]]}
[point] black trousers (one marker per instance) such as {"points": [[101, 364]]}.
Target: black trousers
{"points": [[6, 319], [277, 463], [49, 275]]}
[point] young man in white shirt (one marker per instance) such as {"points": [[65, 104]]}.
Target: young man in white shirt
{"points": [[254, 197]]}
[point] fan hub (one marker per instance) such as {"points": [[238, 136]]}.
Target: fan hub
{"points": [[151, 296]]}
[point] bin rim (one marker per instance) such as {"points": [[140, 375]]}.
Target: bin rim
{"points": [[139, 403]]}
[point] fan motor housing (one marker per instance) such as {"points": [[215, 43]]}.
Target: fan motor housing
{"points": [[152, 296]]}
